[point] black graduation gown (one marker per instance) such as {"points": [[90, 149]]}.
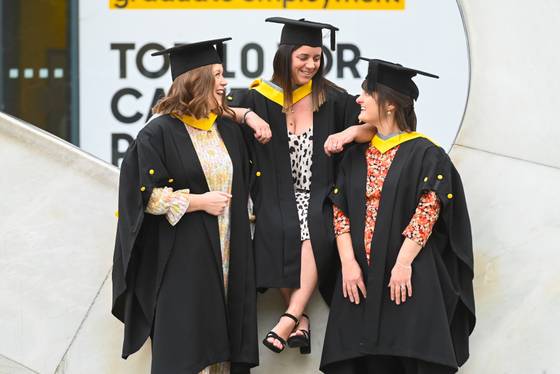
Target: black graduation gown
{"points": [[168, 281], [277, 239], [433, 325]]}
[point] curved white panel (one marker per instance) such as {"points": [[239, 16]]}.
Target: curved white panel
{"points": [[55, 259], [57, 222]]}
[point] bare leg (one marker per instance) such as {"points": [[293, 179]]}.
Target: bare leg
{"points": [[299, 297], [286, 295], [303, 322]]}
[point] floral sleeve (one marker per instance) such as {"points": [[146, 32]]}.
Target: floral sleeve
{"points": [[159, 201], [427, 212], [341, 222], [173, 204]]}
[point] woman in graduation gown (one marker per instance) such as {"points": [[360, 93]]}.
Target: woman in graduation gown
{"points": [[183, 265], [403, 302], [292, 175]]}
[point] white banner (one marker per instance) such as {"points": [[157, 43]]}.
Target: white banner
{"points": [[119, 79]]}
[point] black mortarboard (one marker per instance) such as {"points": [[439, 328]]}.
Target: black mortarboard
{"points": [[185, 57], [394, 76], [302, 32]]}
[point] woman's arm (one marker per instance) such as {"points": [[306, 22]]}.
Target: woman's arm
{"points": [[238, 116], [213, 202], [358, 133], [174, 204], [362, 133], [352, 277], [261, 128], [416, 235]]}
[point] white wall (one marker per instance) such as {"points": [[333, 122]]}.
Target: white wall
{"points": [[54, 316], [508, 153]]}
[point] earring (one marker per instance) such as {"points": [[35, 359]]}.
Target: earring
{"points": [[389, 113]]}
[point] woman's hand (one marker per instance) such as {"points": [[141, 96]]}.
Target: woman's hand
{"points": [[335, 143], [401, 282], [263, 134], [352, 280], [213, 202]]}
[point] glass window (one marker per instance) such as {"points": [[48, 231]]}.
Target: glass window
{"points": [[35, 62]]}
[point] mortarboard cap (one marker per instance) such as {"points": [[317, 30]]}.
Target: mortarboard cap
{"points": [[185, 57], [302, 32], [394, 76]]}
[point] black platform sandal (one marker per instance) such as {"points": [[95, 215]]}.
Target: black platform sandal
{"points": [[272, 334], [303, 342]]}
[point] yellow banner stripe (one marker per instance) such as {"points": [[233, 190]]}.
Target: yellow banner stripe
{"points": [[259, 4]]}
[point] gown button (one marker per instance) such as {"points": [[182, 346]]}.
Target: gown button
{"points": [[450, 196], [152, 171], [142, 188], [440, 177], [258, 173], [170, 180], [335, 191]]}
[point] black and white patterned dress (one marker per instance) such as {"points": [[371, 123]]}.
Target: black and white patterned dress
{"points": [[301, 152]]}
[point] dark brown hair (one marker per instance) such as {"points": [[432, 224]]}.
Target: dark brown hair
{"points": [[192, 93], [404, 105], [282, 76]]}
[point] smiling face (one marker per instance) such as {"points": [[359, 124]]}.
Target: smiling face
{"points": [[306, 61], [369, 109], [220, 82]]}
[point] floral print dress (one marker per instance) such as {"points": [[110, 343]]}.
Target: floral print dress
{"points": [[422, 222]]}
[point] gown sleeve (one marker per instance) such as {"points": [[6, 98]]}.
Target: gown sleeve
{"points": [[142, 170], [338, 191], [246, 99], [440, 176], [454, 242]]}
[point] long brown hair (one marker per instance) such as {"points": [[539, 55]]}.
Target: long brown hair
{"points": [[282, 76], [404, 105], [192, 93]]}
